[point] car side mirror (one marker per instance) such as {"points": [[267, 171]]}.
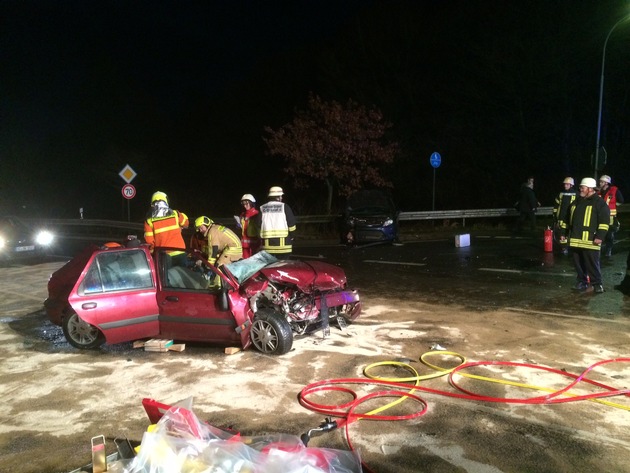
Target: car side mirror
{"points": [[224, 304]]}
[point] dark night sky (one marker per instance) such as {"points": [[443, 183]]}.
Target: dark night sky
{"points": [[181, 91]]}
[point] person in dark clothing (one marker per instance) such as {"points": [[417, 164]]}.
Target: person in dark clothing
{"points": [[624, 286], [589, 217], [527, 206], [561, 207]]}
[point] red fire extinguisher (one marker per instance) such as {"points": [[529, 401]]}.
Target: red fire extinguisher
{"points": [[548, 240]]}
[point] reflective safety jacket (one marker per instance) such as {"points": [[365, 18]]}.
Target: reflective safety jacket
{"points": [[561, 206], [589, 218], [250, 232], [612, 197], [166, 231], [222, 245], [277, 223]]}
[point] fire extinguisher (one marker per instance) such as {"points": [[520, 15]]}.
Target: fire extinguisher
{"points": [[548, 240]]}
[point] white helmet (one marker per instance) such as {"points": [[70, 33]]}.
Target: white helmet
{"points": [[589, 182], [275, 191], [248, 197], [569, 180], [606, 178]]}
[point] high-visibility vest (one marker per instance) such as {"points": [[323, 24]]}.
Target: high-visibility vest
{"points": [[166, 231]]}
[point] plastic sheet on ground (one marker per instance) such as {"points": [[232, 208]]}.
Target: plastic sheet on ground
{"points": [[181, 443]]}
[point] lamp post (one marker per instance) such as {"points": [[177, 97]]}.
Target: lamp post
{"points": [[601, 94]]}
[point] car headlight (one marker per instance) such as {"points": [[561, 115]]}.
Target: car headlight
{"points": [[388, 222], [3, 242], [44, 238]]}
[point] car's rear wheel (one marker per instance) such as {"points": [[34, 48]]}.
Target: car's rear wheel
{"points": [[271, 333], [80, 334]]}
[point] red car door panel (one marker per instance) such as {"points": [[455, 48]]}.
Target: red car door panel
{"points": [[189, 308], [116, 292]]}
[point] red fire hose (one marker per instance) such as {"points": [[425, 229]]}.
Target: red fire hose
{"points": [[402, 389]]}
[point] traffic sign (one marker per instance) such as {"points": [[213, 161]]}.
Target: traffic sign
{"points": [[435, 159], [127, 174], [128, 191]]}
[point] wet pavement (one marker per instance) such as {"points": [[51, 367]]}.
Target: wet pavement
{"points": [[495, 271], [502, 298]]}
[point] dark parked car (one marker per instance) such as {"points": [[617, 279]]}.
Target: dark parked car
{"points": [[119, 294], [370, 216], [18, 240]]}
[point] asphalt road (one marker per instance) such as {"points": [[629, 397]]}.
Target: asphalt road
{"points": [[496, 271], [501, 299]]}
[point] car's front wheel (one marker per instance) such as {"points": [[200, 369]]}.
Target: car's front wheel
{"points": [[80, 334], [271, 333]]}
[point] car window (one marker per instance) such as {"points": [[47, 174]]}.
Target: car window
{"points": [[179, 277], [116, 271], [187, 277]]}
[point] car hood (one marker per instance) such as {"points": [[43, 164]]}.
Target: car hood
{"points": [[308, 277]]}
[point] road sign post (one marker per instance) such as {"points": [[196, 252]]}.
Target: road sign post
{"points": [[435, 161], [127, 174]]}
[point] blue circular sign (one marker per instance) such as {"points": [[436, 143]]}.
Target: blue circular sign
{"points": [[435, 159]]}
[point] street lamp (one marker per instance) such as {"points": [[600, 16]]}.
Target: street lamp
{"points": [[601, 94]]}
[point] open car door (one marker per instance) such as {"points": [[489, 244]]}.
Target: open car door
{"points": [[193, 303]]}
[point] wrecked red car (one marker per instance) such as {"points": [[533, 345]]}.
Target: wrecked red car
{"points": [[120, 294]]}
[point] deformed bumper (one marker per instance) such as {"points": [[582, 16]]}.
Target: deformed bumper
{"points": [[348, 298]]}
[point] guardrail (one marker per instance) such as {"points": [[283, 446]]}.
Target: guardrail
{"points": [[89, 229], [435, 215], [83, 225]]}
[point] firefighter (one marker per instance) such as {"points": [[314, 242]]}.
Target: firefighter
{"points": [[561, 211], [277, 225], [163, 228], [250, 233], [222, 245], [612, 196], [589, 218]]}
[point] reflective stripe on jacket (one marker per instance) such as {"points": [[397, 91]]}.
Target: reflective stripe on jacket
{"points": [[166, 231], [562, 205], [277, 222], [224, 245], [589, 217], [612, 197]]}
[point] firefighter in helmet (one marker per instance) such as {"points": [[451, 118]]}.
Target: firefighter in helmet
{"points": [[163, 228], [277, 225], [222, 245], [250, 233], [561, 207]]}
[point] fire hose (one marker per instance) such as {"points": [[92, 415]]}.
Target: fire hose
{"points": [[404, 388]]}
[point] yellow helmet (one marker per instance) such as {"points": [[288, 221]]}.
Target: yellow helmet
{"points": [[159, 196], [203, 220]]}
